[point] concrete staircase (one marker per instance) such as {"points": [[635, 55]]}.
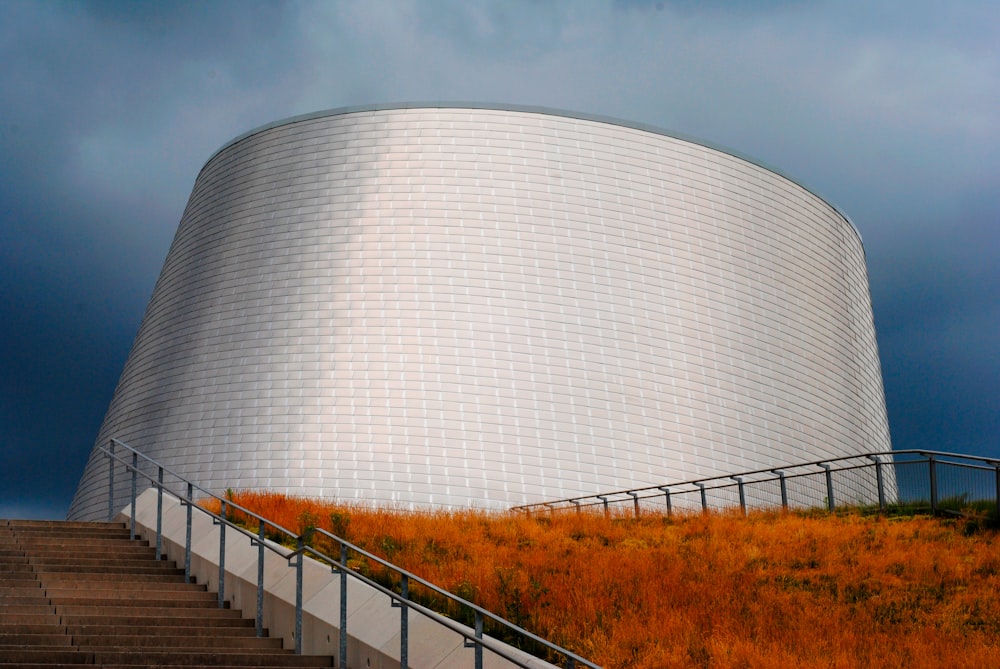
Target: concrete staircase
{"points": [[84, 594]]}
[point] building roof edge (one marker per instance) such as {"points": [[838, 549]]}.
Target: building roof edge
{"points": [[549, 111]]}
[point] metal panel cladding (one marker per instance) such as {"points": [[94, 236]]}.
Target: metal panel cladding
{"points": [[464, 306]]}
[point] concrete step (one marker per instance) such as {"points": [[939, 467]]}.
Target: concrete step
{"points": [[152, 630], [142, 619], [61, 579], [61, 665], [27, 538], [79, 545], [20, 527], [209, 659], [305, 663], [170, 643], [144, 611], [22, 665], [14, 600], [21, 655], [152, 568], [125, 597], [33, 628], [11, 639], [21, 586], [28, 609], [80, 594], [63, 525], [121, 547], [15, 567], [96, 560], [50, 541], [86, 549], [161, 609], [108, 606], [91, 585], [10, 618]]}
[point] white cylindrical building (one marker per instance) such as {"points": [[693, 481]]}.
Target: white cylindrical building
{"points": [[460, 305]]}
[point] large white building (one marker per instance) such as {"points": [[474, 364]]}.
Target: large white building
{"points": [[460, 305]]}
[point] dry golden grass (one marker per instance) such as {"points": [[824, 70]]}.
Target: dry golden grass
{"points": [[713, 590]]}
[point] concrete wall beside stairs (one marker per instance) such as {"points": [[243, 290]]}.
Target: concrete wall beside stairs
{"points": [[372, 623]]}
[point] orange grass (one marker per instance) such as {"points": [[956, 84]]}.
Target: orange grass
{"points": [[714, 590]]}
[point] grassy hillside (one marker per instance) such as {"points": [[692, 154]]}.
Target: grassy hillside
{"points": [[713, 590]]}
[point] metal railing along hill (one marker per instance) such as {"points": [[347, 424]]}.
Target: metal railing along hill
{"points": [[919, 479], [269, 536], [913, 478]]}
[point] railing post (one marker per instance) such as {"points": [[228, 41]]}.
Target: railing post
{"points": [[830, 503], [135, 475], [187, 534], [159, 512], [343, 606], [666, 493], [635, 502], [111, 482], [479, 643], [932, 475], [577, 505], [743, 497], [404, 624], [260, 578], [300, 545], [222, 555], [880, 482], [605, 501], [996, 468], [704, 499], [783, 484]]}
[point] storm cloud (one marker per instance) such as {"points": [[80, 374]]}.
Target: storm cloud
{"points": [[108, 110]]}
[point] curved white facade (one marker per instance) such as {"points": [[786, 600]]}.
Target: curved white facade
{"points": [[468, 306]]}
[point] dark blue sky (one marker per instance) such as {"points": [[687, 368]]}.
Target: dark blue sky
{"points": [[108, 110]]}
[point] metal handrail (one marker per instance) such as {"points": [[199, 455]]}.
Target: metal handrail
{"points": [[473, 637], [780, 474]]}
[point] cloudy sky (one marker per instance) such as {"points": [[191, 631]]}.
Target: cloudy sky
{"points": [[890, 110]]}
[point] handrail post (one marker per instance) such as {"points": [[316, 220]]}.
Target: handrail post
{"points": [[300, 545], [343, 605], [830, 504], [635, 501], [996, 468], [111, 482], [479, 642], [743, 498], [704, 499], [135, 479], [260, 578], [187, 534], [159, 512], [783, 484], [404, 623], [222, 555], [666, 492], [932, 475], [880, 482], [605, 500], [576, 503]]}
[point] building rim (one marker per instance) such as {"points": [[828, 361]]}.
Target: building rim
{"points": [[535, 109]]}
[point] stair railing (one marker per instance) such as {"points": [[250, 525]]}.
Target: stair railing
{"points": [[918, 479], [136, 465]]}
